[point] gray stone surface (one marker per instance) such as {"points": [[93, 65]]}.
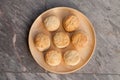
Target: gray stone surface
{"points": [[50, 76], [16, 18]]}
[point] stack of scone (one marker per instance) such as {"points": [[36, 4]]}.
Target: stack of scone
{"points": [[61, 40]]}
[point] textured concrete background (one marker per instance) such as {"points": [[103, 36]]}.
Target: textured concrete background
{"points": [[16, 18]]}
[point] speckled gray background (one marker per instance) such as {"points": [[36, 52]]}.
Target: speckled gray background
{"points": [[16, 18]]}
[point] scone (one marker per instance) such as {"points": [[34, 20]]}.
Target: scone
{"points": [[52, 23], [71, 57], [79, 40], [61, 39], [53, 57], [71, 23], [42, 42]]}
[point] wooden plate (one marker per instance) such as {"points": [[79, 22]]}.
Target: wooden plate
{"points": [[61, 13]]}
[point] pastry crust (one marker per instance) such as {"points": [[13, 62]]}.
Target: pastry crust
{"points": [[52, 23], [71, 57], [42, 42], [79, 40], [71, 23], [61, 39], [53, 57]]}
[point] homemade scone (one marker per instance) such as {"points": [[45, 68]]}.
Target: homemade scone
{"points": [[42, 42], [53, 57], [61, 39], [51, 23], [71, 57], [79, 40], [71, 23]]}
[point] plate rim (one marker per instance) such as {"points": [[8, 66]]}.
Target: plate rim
{"points": [[94, 35]]}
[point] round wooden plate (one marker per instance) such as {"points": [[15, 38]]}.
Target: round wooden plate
{"points": [[61, 13]]}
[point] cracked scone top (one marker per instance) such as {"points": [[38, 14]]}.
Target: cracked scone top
{"points": [[61, 39], [42, 42], [79, 40], [71, 23], [71, 57], [53, 57], [51, 23]]}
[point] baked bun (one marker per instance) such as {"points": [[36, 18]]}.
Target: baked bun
{"points": [[79, 40], [71, 23], [52, 23], [53, 57], [71, 57], [61, 39], [42, 42]]}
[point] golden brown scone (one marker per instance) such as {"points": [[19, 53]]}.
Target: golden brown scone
{"points": [[53, 57], [79, 40], [42, 42], [71, 57], [61, 39], [52, 23], [71, 23]]}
